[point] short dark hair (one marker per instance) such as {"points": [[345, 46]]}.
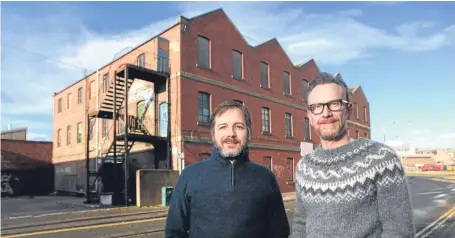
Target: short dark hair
{"points": [[228, 105], [326, 78]]}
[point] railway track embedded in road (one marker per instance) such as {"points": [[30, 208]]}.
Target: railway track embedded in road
{"points": [[439, 224]]}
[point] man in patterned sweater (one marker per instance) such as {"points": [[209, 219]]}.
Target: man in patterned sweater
{"points": [[347, 188]]}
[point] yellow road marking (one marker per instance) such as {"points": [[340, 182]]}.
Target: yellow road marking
{"points": [[440, 222], [85, 227], [436, 221], [84, 211]]}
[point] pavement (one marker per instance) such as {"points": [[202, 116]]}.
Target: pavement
{"points": [[433, 206], [29, 206]]}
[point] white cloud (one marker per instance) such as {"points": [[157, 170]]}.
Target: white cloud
{"points": [[98, 49], [448, 136]]}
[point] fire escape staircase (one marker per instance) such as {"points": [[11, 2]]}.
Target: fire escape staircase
{"points": [[117, 91], [117, 147]]}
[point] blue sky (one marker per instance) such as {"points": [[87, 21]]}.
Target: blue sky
{"points": [[401, 53]]}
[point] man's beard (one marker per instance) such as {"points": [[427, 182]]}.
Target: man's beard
{"points": [[229, 155], [334, 136]]}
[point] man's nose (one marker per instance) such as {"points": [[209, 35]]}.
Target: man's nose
{"points": [[326, 111], [232, 132]]}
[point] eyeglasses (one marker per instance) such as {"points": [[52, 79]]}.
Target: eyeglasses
{"points": [[334, 106]]}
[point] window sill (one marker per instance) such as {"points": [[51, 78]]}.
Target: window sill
{"points": [[287, 95], [204, 68], [289, 137], [266, 88], [204, 124], [242, 80], [290, 182]]}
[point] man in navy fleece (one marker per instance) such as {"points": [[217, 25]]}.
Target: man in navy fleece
{"points": [[227, 195]]}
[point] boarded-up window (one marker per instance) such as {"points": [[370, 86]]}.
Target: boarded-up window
{"points": [[264, 75], [237, 63], [365, 113], [203, 52]]}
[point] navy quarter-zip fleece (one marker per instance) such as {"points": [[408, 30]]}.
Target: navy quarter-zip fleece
{"points": [[216, 198]]}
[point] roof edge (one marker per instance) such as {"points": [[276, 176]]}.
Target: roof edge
{"points": [[14, 130], [28, 141]]}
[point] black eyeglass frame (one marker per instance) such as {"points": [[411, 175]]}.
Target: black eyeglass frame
{"points": [[310, 107]]}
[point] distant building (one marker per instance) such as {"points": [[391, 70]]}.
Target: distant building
{"points": [[426, 151], [359, 123], [443, 157], [451, 153], [15, 134], [26, 167], [402, 149], [416, 161]]}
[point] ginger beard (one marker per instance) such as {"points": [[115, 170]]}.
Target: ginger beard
{"points": [[331, 128]]}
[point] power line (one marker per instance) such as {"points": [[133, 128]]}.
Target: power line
{"points": [[45, 56]]}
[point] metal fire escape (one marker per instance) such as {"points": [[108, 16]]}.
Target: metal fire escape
{"points": [[116, 159]]}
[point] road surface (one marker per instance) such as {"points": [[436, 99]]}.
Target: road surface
{"points": [[433, 206]]}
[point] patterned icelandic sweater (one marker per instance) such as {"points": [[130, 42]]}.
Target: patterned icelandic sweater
{"points": [[356, 190]]}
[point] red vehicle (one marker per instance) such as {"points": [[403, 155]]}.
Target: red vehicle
{"points": [[432, 167]]}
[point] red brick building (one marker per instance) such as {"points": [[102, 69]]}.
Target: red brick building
{"points": [[207, 62], [26, 167]]}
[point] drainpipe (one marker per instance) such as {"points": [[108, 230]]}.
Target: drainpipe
{"points": [[96, 123]]}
